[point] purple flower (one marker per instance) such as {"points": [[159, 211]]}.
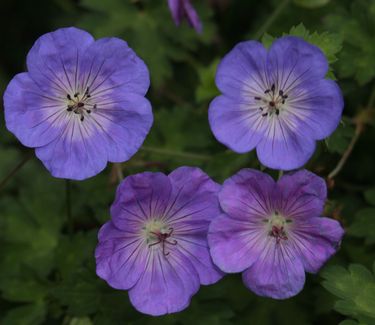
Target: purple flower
{"points": [[181, 9], [81, 103], [273, 232], [156, 246], [277, 101]]}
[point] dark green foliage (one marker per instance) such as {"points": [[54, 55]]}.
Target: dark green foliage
{"points": [[47, 265]]}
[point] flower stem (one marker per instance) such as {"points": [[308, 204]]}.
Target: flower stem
{"points": [[180, 154], [271, 18], [348, 151], [69, 207], [16, 169]]}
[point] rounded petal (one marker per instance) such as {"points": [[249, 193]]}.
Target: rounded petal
{"points": [[285, 147], [316, 240], [35, 119], [53, 61], [166, 285], [236, 123], [248, 195], [195, 248], [194, 198], [140, 197], [120, 257], [242, 71], [276, 274], [234, 244], [291, 61], [125, 120], [316, 106], [109, 64], [303, 195], [78, 153]]}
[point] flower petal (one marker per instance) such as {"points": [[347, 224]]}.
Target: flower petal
{"points": [[291, 61], [53, 61], [316, 240], [195, 248], [166, 285], [120, 256], [238, 124], [235, 244], [277, 273], [195, 197], [248, 195], [35, 119], [109, 64], [284, 146], [139, 198], [192, 16], [317, 107], [78, 153], [242, 71], [303, 195], [125, 120]]}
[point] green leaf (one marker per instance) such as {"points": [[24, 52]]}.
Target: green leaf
{"points": [[364, 225], [32, 314], [311, 4], [355, 289], [356, 27], [339, 141], [370, 196], [206, 89]]}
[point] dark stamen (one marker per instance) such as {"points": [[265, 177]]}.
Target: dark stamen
{"points": [[277, 111], [281, 92], [76, 95], [285, 96], [265, 114], [283, 101], [257, 98], [82, 118], [267, 91], [80, 104], [261, 108], [88, 111], [70, 108], [68, 96], [273, 88], [272, 103]]}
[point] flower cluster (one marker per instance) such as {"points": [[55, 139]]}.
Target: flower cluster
{"points": [[82, 103]]}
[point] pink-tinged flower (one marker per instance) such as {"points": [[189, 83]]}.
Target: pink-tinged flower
{"points": [[273, 232], [155, 245], [81, 103], [182, 9], [277, 101]]}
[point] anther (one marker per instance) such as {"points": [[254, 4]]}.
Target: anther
{"points": [[257, 98], [267, 91], [261, 108], [277, 111], [80, 104], [76, 95], [68, 96], [265, 114], [70, 108], [273, 88], [82, 118], [281, 93], [272, 103], [88, 111]]}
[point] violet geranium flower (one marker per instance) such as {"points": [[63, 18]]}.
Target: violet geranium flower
{"points": [[155, 245], [81, 103], [273, 232], [277, 101], [181, 9]]}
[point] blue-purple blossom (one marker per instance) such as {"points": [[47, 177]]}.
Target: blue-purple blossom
{"points": [[277, 101], [155, 245], [81, 103], [273, 232], [182, 9]]}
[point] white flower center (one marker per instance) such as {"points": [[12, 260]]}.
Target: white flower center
{"points": [[271, 101]]}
